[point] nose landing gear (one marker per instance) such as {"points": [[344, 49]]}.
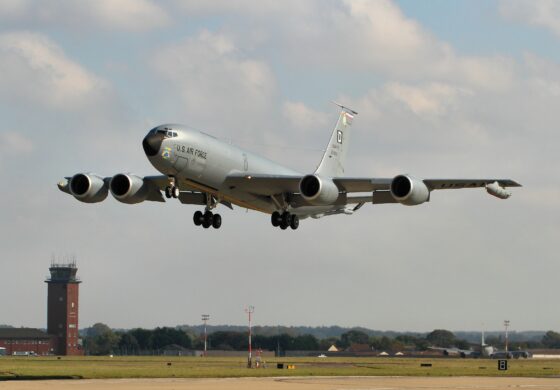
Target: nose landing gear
{"points": [[172, 191], [284, 220]]}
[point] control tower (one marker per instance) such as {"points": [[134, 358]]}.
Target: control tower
{"points": [[62, 308]]}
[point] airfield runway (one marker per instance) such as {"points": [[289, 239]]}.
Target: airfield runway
{"points": [[296, 383]]}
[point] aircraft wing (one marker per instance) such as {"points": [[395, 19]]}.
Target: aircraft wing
{"points": [[269, 185], [444, 184], [451, 351]]}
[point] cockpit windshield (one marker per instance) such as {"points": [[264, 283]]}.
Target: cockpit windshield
{"points": [[167, 133]]}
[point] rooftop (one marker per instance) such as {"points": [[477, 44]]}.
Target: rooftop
{"points": [[23, 333]]}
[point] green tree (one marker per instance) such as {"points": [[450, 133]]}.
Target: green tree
{"points": [[101, 340], [128, 345], [441, 338], [551, 339], [353, 337]]}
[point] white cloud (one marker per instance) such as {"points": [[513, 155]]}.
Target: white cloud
{"points": [[302, 117], [430, 99], [216, 82], [15, 143], [541, 13], [34, 68], [123, 15]]}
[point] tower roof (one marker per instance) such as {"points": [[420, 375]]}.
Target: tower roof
{"points": [[63, 273]]}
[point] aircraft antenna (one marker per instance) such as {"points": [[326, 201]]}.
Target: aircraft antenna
{"points": [[344, 107]]}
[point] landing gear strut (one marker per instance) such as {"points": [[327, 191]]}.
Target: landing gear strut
{"points": [[284, 220], [172, 191]]}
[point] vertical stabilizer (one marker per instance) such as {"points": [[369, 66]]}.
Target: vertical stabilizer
{"points": [[482, 343], [332, 163]]}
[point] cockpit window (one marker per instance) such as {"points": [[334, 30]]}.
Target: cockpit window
{"points": [[167, 133]]}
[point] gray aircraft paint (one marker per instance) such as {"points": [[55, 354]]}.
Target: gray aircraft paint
{"points": [[202, 164]]}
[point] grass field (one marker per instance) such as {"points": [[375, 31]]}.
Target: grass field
{"points": [[213, 367]]}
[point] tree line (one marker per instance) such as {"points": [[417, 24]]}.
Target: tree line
{"points": [[100, 339]]}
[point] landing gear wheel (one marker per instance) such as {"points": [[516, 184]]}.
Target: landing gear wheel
{"points": [[175, 192], [207, 219], [294, 223], [216, 221], [168, 192], [283, 226], [198, 217], [286, 219], [275, 218]]}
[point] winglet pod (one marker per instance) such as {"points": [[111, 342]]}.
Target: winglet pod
{"points": [[495, 189]]}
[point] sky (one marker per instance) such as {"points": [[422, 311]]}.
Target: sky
{"points": [[462, 89]]}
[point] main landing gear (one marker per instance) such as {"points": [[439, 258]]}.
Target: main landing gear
{"points": [[207, 219], [284, 220]]}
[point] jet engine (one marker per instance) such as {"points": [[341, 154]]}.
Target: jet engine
{"points": [[497, 190], [88, 188], [128, 188], [409, 190], [317, 190]]}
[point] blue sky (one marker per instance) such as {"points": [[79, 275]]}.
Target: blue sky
{"points": [[443, 89]]}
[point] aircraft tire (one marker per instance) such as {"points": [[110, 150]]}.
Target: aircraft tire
{"points": [[207, 218], [198, 217], [175, 192], [294, 222], [286, 219], [216, 221], [168, 192], [283, 226], [275, 218]]}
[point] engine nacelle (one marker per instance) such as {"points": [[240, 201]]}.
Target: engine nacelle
{"points": [[317, 190], [409, 190], [497, 190], [128, 188], [88, 188]]}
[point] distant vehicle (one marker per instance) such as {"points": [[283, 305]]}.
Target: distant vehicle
{"points": [[2, 351], [483, 350], [201, 170], [24, 353]]}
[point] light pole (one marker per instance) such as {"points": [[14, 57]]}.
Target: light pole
{"points": [[506, 325], [205, 318], [250, 310]]}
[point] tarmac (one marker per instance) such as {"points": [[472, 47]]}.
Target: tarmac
{"points": [[296, 383]]}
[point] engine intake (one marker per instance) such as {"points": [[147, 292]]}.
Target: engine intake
{"points": [[409, 190], [88, 188], [317, 190], [128, 188]]}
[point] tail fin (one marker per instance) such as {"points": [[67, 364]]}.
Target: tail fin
{"points": [[332, 163]]}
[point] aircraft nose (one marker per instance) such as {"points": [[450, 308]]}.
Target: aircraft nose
{"points": [[152, 143]]}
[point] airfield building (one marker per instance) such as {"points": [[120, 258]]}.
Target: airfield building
{"points": [[62, 308], [25, 341]]}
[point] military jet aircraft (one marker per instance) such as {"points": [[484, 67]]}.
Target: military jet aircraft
{"points": [[483, 350], [199, 169]]}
